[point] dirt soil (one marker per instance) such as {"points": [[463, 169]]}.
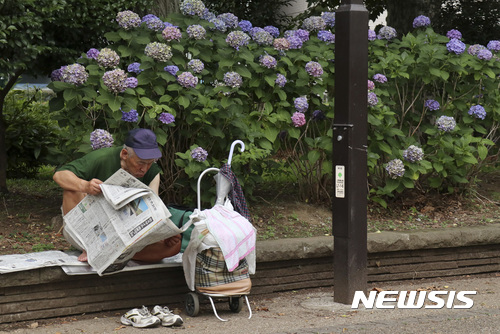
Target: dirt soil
{"points": [[31, 221]]}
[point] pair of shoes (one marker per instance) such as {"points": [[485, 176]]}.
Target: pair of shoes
{"points": [[140, 318], [166, 316]]}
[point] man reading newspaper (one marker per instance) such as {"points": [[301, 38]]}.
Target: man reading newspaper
{"points": [[85, 176]]}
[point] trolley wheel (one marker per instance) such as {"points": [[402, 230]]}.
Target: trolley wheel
{"points": [[235, 304], [192, 304]]}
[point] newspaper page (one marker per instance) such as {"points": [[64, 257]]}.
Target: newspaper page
{"points": [[112, 236]]}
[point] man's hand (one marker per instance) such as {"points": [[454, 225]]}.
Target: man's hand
{"points": [[92, 187], [173, 241]]}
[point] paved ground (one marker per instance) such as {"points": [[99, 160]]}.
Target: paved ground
{"points": [[314, 311]]}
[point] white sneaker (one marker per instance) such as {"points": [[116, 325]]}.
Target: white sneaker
{"points": [[139, 318], [166, 316]]}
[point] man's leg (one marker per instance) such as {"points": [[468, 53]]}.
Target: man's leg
{"points": [[160, 250]]}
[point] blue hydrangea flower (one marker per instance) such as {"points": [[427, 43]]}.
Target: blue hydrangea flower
{"points": [[268, 61], [372, 35], [74, 74], [166, 118], [100, 138], [233, 79], [301, 104], [196, 31], [432, 105], [134, 68], [132, 116], [387, 33], [493, 46], [196, 66], [199, 154], [261, 37], [298, 119], [395, 168], [158, 51], [413, 154], [219, 24], [128, 19], [421, 21], [92, 53], [454, 33], [108, 58], [172, 69], [455, 46], [56, 75], [477, 111], [314, 23], [245, 25], [153, 22], [280, 80], [326, 36], [229, 19], [295, 42], [275, 32], [314, 69], [484, 54], [329, 18], [380, 78], [372, 99], [131, 82], [237, 39], [318, 115], [115, 80], [475, 48], [187, 80], [192, 7], [302, 34], [446, 123], [208, 15], [171, 33]]}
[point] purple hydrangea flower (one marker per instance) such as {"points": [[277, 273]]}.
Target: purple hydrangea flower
{"points": [[484, 54], [298, 119], [432, 105], [372, 99], [281, 44], [493, 46], [92, 53], [371, 85], [326, 36], [219, 24], [477, 111], [132, 116], [302, 34], [446, 123], [454, 33], [295, 42], [395, 168], [187, 80], [275, 32], [318, 115], [329, 18], [199, 154], [229, 19], [56, 75], [268, 61], [314, 23], [158, 51], [208, 15], [108, 58], [166, 118], [196, 31], [372, 35], [237, 38], [380, 78], [192, 7], [421, 21], [74, 74], [413, 154], [115, 80], [314, 69], [171, 33], [172, 69], [100, 138], [261, 37], [134, 68], [474, 49], [455, 46], [131, 82], [153, 22], [148, 17], [387, 33], [301, 104], [280, 80], [128, 19], [233, 79], [196, 66], [245, 25]]}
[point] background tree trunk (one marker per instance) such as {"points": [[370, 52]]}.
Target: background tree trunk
{"points": [[400, 14], [162, 8]]}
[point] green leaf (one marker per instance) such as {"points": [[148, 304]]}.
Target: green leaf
{"points": [[146, 102], [313, 156], [184, 101]]}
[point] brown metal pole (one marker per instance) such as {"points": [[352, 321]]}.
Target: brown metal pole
{"points": [[350, 151]]}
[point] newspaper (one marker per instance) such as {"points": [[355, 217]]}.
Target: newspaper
{"points": [[118, 223]]}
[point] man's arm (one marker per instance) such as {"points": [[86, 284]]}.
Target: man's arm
{"points": [[67, 180]]}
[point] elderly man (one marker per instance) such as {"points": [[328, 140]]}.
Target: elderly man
{"points": [[84, 176]]}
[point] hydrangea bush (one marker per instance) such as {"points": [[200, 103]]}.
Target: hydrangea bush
{"points": [[203, 80]]}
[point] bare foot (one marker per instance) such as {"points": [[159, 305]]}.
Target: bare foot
{"points": [[83, 257]]}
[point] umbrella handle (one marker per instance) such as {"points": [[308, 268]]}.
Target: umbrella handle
{"points": [[232, 149], [199, 182]]}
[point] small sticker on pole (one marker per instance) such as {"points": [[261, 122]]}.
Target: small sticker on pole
{"points": [[340, 181]]}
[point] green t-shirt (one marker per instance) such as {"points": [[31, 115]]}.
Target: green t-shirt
{"points": [[102, 163]]}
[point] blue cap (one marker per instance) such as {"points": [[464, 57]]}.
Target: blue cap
{"points": [[143, 141]]}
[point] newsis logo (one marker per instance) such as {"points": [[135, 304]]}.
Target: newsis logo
{"points": [[413, 299]]}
